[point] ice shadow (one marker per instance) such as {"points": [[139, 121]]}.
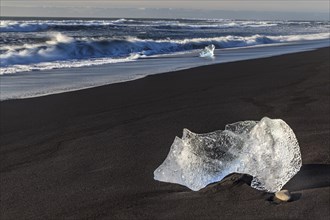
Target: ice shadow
{"points": [[310, 176]]}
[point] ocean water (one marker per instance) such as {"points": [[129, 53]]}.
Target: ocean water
{"points": [[44, 49]]}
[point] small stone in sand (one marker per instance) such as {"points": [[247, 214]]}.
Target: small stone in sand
{"points": [[283, 195]]}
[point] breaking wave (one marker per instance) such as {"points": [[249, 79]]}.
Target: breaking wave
{"points": [[61, 48]]}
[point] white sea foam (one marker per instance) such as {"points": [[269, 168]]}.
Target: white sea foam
{"points": [[65, 64], [234, 41]]}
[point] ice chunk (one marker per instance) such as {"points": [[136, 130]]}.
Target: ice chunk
{"points": [[267, 150], [207, 51]]}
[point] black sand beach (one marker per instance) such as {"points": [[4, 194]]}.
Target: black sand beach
{"points": [[91, 154]]}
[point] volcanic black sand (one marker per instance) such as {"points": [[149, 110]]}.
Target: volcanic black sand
{"points": [[91, 154]]}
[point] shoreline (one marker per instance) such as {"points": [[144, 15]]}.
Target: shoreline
{"points": [[80, 78], [91, 153]]}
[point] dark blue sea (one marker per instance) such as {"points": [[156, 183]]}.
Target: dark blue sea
{"points": [[29, 44]]}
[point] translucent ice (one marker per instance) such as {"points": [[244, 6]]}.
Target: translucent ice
{"points": [[207, 51], [267, 150]]}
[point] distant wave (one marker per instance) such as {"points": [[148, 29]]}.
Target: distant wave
{"points": [[13, 26], [227, 24], [62, 48], [40, 25], [43, 25]]}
